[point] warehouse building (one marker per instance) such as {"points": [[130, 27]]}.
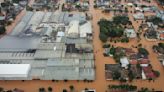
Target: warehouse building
{"points": [[39, 43]]}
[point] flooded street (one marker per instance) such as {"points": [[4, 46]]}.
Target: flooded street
{"points": [[100, 84]]}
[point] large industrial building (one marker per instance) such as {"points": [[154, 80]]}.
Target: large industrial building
{"points": [[48, 46]]}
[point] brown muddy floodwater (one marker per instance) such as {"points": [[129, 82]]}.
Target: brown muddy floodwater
{"points": [[100, 84]]}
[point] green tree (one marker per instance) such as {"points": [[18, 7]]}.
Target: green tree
{"points": [[121, 20], [71, 87], [155, 20], [157, 73], [126, 10], [50, 89], [64, 90], [103, 37], [112, 50], [2, 29], [28, 8], [143, 51], [86, 89], [161, 2], [16, 1], [106, 46], [161, 45], [116, 32], [116, 75], [131, 75], [42, 90], [1, 89]]}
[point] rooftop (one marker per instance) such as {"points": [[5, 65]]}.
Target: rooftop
{"points": [[35, 41]]}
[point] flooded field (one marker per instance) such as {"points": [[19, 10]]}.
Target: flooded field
{"points": [[100, 84]]}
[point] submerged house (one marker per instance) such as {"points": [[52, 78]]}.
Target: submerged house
{"points": [[160, 14], [139, 16], [130, 33]]}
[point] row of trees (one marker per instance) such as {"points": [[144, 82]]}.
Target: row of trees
{"points": [[44, 90], [155, 20], [71, 87], [125, 87]]}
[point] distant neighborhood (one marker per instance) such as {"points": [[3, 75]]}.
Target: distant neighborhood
{"points": [[8, 11], [81, 45]]}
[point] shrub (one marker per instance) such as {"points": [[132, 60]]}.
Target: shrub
{"points": [[2, 30], [103, 37], [125, 40], [64, 90], [106, 46], [95, 6], [161, 45], [71, 87], [157, 73], [112, 51], [50, 89], [143, 51]]}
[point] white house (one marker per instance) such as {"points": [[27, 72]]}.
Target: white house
{"points": [[130, 33], [124, 62], [139, 16], [138, 9]]}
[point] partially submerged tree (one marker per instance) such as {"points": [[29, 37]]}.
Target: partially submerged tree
{"points": [[64, 90], [2, 29], [50, 89], [143, 51], [71, 87]]}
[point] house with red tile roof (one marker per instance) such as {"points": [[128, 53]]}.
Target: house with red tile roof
{"points": [[148, 71], [161, 35]]}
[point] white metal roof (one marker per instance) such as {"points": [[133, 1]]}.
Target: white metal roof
{"points": [[130, 33], [130, 4], [139, 16], [59, 34], [14, 70], [124, 61], [85, 28], [73, 30]]}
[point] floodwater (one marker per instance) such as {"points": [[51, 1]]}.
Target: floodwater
{"points": [[100, 84]]}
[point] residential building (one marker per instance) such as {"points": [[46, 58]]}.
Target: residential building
{"points": [[139, 16], [130, 33], [160, 14]]}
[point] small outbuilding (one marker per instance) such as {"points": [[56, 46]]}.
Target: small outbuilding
{"points": [[130, 33], [139, 16], [124, 62]]}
